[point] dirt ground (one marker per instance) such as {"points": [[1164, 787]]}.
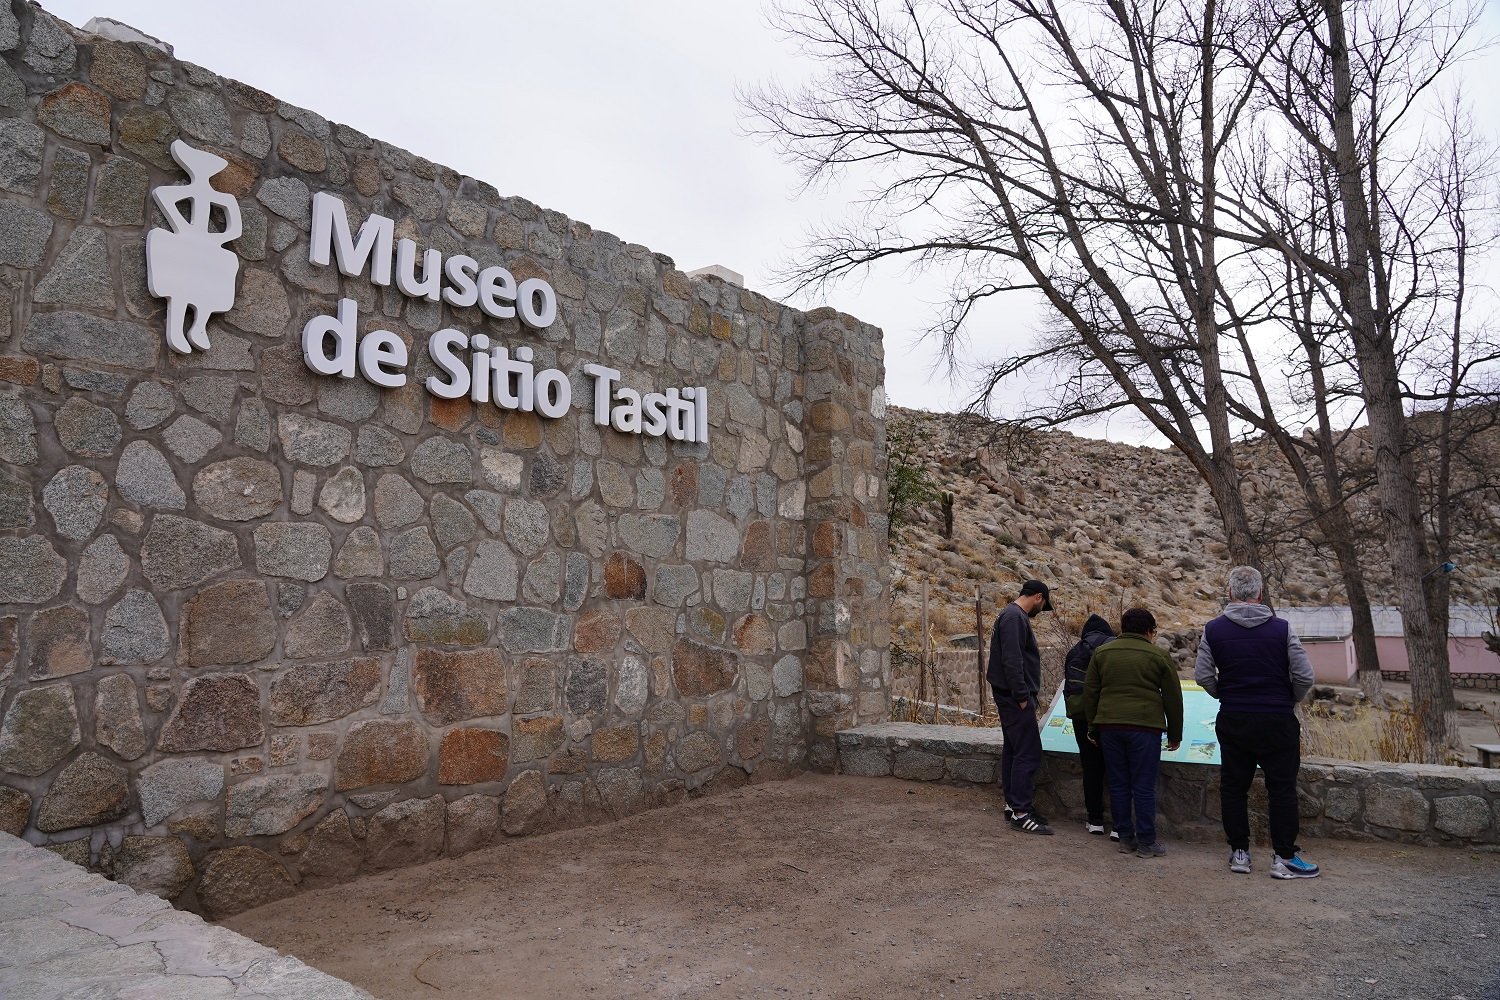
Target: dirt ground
{"points": [[829, 886]]}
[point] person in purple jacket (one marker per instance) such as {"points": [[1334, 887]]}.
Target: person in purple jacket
{"points": [[1254, 664]]}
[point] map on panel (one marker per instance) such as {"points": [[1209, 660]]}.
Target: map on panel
{"points": [[1200, 744]]}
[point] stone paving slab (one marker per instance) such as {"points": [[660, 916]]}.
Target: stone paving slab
{"points": [[67, 932]]}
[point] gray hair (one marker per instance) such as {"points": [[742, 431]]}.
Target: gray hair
{"points": [[1245, 583]]}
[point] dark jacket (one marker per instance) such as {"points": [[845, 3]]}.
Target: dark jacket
{"points": [[1252, 661], [1131, 682], [1096, 632], [1015, 666]]}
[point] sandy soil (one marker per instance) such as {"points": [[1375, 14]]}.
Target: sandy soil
{"points": [[848, 887]]}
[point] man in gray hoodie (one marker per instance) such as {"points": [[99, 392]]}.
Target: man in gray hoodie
{"points": [[1254, 664]]}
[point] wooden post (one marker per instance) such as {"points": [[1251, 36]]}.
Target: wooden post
{"points": [[922, 683], [979, 634]]}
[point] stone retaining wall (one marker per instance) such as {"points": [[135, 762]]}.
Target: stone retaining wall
{"points": [[953, 679], [262, 628], [1406, 803]]}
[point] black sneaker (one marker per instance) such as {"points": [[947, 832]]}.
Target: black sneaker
{"points": [[1127, 845], [1031, 823]]}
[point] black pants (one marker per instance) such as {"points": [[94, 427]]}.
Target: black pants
{"points": [[1091, 759], [1021, 755], [1274, 742]]}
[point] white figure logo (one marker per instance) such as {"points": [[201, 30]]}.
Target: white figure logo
{"points": [[189, 266]]}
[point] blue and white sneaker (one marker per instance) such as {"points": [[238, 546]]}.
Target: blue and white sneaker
{"points": [[1293, 867]]}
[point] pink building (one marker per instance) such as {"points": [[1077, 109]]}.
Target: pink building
{"points": [[1325, 634]]}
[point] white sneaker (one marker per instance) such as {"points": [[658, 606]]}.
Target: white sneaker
{"points": [[1095, 828], [1114, 835], [1239, 862]]}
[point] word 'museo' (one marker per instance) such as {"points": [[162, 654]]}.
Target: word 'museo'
{"points": [[469, 366]]}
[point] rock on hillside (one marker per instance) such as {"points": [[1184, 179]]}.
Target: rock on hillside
{"points": [[1107, 525]]}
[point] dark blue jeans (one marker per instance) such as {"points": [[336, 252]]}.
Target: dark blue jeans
{"points": [[1131, 760], [1021, 756]]}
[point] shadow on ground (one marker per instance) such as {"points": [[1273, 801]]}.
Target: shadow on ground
{"points": [[851, 887]]}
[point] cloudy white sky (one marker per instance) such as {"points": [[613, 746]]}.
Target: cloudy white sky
{"points": [[620, 115]]}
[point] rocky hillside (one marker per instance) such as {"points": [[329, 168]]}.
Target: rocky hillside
{"points": [[1108, 526]]}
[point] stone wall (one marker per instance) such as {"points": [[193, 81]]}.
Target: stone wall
{"points": [[1405, 803], [952, 679], [262, 628]]}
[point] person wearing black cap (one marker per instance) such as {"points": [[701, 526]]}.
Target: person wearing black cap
{"points": [[1015, 678]]}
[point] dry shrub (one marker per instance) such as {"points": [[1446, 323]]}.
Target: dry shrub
{"points": [[944, 621], [1400, 737], [1391, 735]]}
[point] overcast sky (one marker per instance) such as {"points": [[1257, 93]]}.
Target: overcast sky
{"points": [[620, 115]]}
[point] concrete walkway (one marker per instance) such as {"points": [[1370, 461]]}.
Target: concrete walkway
{"points": [[66, 932]]}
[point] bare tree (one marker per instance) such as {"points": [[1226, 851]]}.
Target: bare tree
{"points": [[1345, 85], [1109, 216], [1096, 156]]}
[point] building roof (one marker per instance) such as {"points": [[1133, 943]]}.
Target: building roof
{"points": [[1336, 622]]}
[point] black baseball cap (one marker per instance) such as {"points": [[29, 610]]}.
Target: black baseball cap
{"points": [[1038, 587]]}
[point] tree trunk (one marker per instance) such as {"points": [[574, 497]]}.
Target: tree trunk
{"points": [[1395, 474], [1338, 531], [1224, 486], [1362, 630]]}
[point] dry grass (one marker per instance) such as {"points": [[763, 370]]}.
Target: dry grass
{"points": [[911, 710], [1390, 735]]}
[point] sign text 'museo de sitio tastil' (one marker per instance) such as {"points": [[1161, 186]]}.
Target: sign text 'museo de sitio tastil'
{"points": [[469, 365]]}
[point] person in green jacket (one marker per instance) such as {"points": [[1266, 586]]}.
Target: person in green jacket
{"points": [[1131, 696]]}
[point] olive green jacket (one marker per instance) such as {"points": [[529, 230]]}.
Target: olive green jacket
{"points": [[1131, 682]]}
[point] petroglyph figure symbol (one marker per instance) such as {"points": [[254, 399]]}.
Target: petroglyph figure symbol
{"points": [[190, 266]]}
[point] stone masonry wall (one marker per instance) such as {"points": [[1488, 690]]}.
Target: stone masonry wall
{"points": [[262, 628], [953, 680], [1405, 803]]}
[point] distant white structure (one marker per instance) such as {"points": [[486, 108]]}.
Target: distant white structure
{"points": [[1327, 635], [721, 272]]}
